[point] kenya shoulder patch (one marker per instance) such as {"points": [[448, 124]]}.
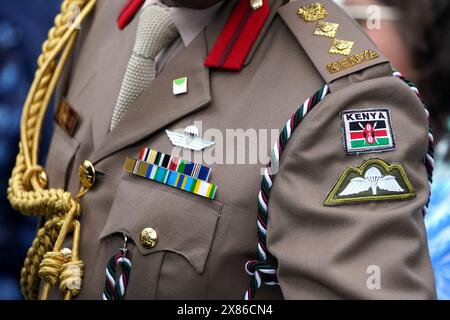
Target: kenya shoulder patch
{"points": [[374, 181], [367, 131]]}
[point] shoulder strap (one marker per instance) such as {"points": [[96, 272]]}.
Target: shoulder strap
{"points": [[335, 43]]}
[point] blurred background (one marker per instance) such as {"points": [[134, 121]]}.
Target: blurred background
{"points": [[414, 35], [23, 28]]}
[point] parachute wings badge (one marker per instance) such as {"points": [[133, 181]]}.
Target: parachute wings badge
{"points": [[189, 140], [374, 181]]}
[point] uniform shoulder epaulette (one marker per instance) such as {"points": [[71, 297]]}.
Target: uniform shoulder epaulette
{"points": [[333, 41]]}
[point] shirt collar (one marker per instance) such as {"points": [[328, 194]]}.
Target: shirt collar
{"points": [[189, 22]]}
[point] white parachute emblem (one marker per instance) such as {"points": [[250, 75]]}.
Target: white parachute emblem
{"points": [[374, 180], [189, 140]]}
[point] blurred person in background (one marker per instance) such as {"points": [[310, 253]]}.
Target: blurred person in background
{"points": [[23, 27], [421, 52]]}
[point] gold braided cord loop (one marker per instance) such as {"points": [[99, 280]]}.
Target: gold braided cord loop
{"points": [[43, 76], [40, 202], [71, 277], [51, 266], [27, 191], [43, 242]]}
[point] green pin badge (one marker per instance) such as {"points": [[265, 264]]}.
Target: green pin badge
{"points": [[180, 86]]}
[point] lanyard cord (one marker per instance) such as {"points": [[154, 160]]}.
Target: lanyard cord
{"points": [[28, 186]]}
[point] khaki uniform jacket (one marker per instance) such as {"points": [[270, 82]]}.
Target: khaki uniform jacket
{"points": [[323, 252]]}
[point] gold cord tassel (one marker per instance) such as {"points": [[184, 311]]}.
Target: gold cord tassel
{"points": [[28, 187]]}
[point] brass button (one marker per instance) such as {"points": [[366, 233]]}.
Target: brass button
{"points": [[87, 174], [149, 238]]}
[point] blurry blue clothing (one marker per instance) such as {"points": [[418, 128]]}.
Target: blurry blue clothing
{"points": [[23, 27], [438, 221]]}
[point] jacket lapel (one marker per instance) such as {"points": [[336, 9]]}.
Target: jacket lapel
{"points": [[157, 107], [111, 65]]}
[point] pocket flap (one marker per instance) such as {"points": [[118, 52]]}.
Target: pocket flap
{"points": [[183, 225]]}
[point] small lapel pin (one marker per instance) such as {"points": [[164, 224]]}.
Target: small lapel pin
{"points": [[189, 140], [180, 86]]}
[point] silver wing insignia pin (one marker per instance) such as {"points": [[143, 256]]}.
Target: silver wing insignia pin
{"points": [[373, 180], [189, 140]]}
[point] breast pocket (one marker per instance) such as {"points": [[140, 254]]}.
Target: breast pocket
{"points": [[183, 225]]}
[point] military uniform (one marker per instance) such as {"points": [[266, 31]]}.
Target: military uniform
{"points": [[323, 236]]}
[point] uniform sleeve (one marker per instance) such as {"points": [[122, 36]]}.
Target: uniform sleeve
{"points": [[342, 230]]}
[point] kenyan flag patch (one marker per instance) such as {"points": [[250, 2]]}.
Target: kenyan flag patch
{"points": [[367, 131]]}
